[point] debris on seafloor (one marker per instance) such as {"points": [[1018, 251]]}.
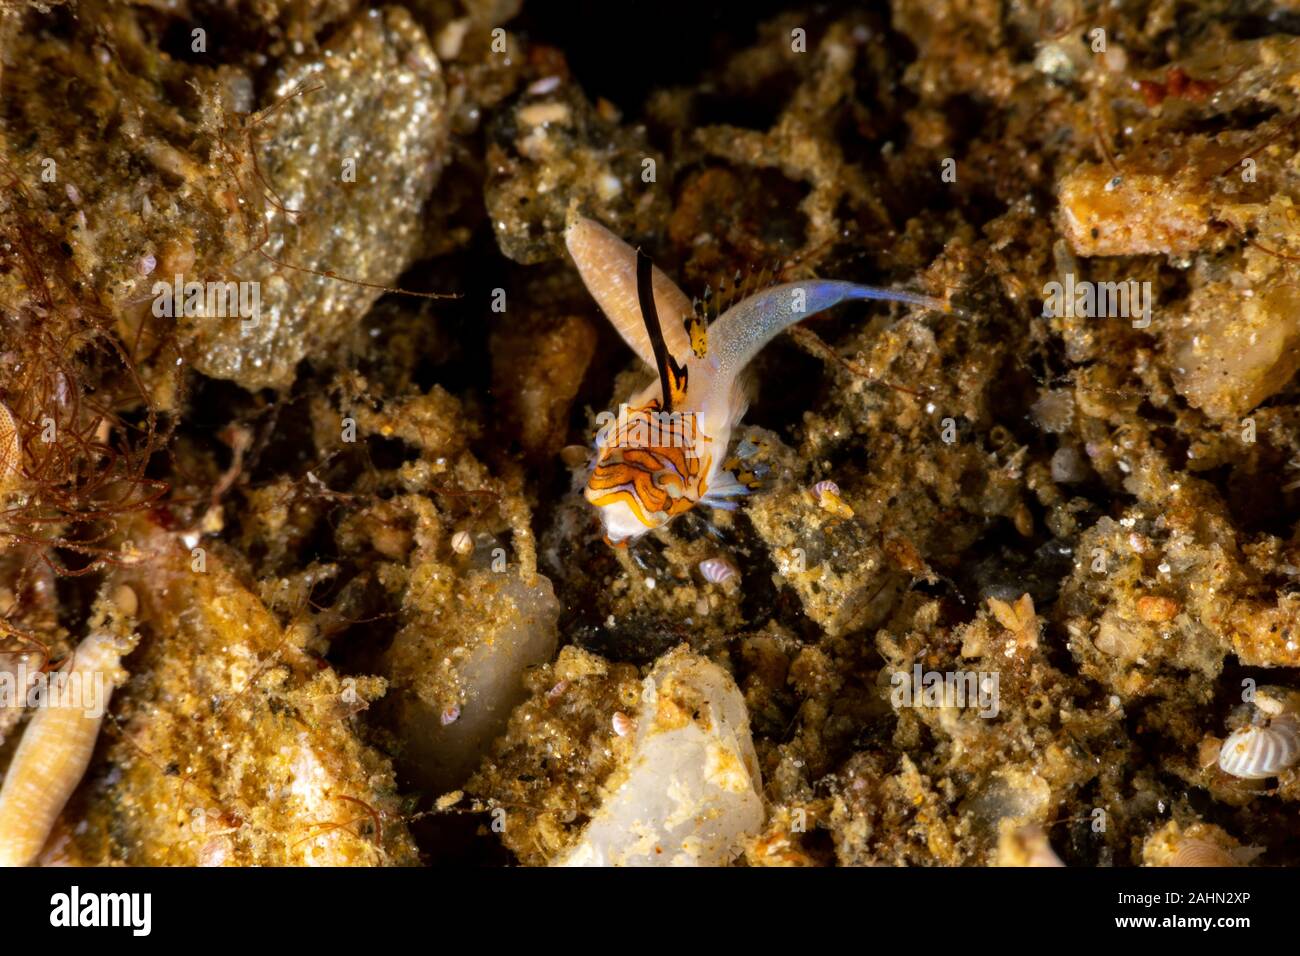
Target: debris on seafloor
{"points": [[243, 736], [457, 669], [305, 403], [691, 792]]}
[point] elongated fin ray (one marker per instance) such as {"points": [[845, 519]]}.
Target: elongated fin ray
{"points": [[741, 286]]}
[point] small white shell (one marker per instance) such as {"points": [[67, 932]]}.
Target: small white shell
{"points": [[547, 84], [1255, 753], [1026, 846], [717, 570], [575, 456], [462, 542], [11, 451], [623, 724], [1275, 701], [823, 488], [827, 494]]}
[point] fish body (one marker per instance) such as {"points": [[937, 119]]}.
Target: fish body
{"points": [[657, 458]]}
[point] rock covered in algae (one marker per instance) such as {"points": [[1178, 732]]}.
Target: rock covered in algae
{"points": [[545, 773], [473, 612], [1155, 201], [156, 181], [1233, 342], [691, 790], [1237, 343], [231, 744], [353, 146], [332, 174], [554, 150], [537, 372], [1161, 597], [457, 669]]}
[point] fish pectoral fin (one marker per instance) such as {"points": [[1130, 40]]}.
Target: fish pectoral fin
{"points": [[722, 492]]}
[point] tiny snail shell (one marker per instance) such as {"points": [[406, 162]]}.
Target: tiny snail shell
{"points": [[462, 542], [547, 84], [1275, 701], [1256, 753], [1029, 846], [11, 450], [450, 714], [1207, 752], [623, 724], [1201, 853], [216, 852], [717, 570], [826, 488], [1117, 638], [828, 498]]}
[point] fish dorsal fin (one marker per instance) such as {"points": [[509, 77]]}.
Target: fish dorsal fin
{"points": [[607, 265], [723, 293]]}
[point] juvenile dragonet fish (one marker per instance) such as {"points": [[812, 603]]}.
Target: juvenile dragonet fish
{"points": [[662, 453]]}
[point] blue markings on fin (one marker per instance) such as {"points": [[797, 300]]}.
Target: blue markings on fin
{"points": [[725, 487], [895, 295], [745, 328]]}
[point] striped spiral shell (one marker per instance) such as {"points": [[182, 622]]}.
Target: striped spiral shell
{"points": [[1255, 753], [1192, 852], [10, 450], [827, 494], [823, 488], [622, 724], [54, 752], [717, 570]]}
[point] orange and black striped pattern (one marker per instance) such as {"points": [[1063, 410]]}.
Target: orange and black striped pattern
{"points": [[658, 476]]}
